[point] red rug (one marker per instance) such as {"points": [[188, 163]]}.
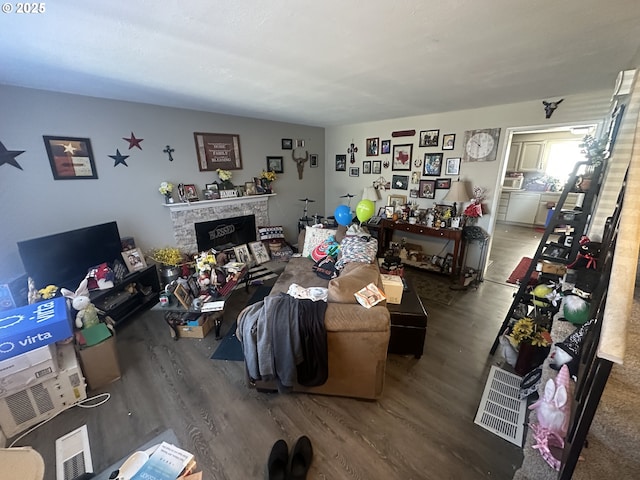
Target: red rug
{"points": [[520, 271]]}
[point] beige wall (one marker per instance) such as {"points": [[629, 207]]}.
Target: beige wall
{"points": [[34, 204]]}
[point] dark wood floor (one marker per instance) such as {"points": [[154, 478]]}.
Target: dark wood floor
{"points": [[422, 427]]}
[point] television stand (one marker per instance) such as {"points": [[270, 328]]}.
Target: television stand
{"points": [[138, 291]]}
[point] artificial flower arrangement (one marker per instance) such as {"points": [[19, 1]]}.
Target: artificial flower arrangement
{"points": [[268, 176], [225, 178], [474, 210], [206, 261], [166, 188], [170, 256], [526, 330]]}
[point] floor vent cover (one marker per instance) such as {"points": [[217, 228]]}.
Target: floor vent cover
{"points": [[73, 456], [501, 411]]}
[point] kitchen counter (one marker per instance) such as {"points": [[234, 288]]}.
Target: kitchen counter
{"points": [[529, 207]]}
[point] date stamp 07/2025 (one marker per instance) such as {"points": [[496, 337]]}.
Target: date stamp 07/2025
{"points": [[24, 7]]}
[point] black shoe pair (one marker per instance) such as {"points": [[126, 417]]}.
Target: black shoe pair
{"points": [[282, 467]]}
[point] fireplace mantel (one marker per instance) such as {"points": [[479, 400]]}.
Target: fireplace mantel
{"points": [[185, 215], [221, 202]]}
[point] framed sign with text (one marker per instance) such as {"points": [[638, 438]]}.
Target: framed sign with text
{"points": [[218, 150]]}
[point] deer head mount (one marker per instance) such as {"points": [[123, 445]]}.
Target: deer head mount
{"points": [[300, 161], [549, 107]]}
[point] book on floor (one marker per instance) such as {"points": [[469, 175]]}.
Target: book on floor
{"points": [[168, 462]]}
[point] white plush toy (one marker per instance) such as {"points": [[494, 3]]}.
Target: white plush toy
{"points": [[87, 315]]}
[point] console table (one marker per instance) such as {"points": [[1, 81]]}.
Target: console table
{"points": [[388, 227]]}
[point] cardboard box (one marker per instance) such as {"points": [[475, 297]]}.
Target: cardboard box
{"points": [[27, 360], [100, 363], [28, 371], [393, 287], [554, 268], [199, 331], [33, 326]]}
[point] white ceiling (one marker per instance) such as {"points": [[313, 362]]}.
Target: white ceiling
{"points": [[321, 62]]}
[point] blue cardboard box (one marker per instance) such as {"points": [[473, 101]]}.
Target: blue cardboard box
{"points": [[33, 326]]}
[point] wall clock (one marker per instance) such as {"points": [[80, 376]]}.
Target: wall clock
{"points": [[481, 145]]}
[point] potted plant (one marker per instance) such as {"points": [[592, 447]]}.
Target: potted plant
{"points": [[532, 340], [225, 179]]}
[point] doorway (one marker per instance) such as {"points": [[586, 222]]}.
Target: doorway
{"points": [[541, 171]]}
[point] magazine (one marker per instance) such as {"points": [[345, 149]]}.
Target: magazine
{"points": [[166, 463], [370, 296]]}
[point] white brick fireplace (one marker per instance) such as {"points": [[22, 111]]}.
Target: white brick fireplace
{"points": [[185, 215]]}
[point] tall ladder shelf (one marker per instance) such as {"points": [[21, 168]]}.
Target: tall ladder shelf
{"points": [[570, 225]]}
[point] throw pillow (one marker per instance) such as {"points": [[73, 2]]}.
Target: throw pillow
{"points": [[328, 247], [354, 277], [357, 249], [313, 237]]}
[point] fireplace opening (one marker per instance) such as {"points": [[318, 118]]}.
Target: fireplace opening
{"points": [[225, 233]]}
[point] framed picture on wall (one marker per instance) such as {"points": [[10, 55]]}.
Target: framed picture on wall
{"points": [[429, 138], [341, 163], [453, 166], [366, 166], [443, 183], [287, 144], [354, 171], [376, 167], [372, 147], [427, 189], [71, 158], [432, 164], [448, 141], [275, 164], [400, 182], [385, 147], [218, 150], [402, 157]]}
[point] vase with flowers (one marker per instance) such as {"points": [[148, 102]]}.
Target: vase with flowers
{"points": [[474, 210], [173, 263], [532, 340], [266, 178], [225, 179], [166, 189]]}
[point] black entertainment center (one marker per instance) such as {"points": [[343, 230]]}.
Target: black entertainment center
{"points": [[63, 260]]}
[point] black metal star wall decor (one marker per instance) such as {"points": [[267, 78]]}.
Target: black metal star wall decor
{"points": [[119, 158], [133, 141], [352, 151], [168, 151], [9, 156]]}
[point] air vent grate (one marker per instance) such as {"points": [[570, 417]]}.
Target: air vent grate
{"points": [[73, 455], [501, 411]]}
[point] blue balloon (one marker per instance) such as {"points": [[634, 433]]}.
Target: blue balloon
{"points": [[343, 215]]}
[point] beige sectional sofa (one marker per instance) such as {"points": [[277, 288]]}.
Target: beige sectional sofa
{"points": [[357, 338]]}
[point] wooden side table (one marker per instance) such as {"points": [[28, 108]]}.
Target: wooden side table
{"points": [[408, 324]]}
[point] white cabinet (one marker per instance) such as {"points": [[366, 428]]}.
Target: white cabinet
{"points": [[514, 155], [531, 157], [522, 207], [526, 157]]}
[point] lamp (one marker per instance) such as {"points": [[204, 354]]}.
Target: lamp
{"points": [[457, 193], [371, 193]]}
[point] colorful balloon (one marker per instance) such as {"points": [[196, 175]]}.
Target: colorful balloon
{"points": [[343, 215], [365, 210]]}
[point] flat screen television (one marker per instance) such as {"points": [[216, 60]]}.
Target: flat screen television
{"points": [[63, 259]]}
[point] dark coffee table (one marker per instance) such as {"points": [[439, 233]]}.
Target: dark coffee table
{"points": [[408, 324]]}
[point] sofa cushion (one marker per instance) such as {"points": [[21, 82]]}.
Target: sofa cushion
{"points": [[315, 236], [353, 277]]}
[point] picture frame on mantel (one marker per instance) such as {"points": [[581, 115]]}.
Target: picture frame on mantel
{"points": [[218, 150], [71, 158]]}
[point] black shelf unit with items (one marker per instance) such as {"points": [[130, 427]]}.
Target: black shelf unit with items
{"points": [[560, 242], [136, 292]]}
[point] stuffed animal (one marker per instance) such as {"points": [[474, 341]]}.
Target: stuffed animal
{"points": [[87, 315], [554, 407]]}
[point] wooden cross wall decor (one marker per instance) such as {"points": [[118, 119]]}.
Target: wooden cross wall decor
{"points": [[352, 151], [168, 151]]}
